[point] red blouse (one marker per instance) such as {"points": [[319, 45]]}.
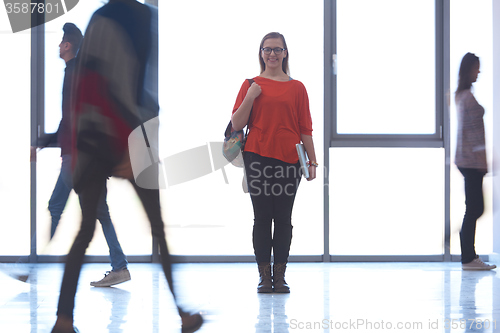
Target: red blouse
{"points": [[279, 116]]}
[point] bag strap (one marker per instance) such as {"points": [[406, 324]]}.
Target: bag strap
{"points": [[229, 127], [246, 132]]}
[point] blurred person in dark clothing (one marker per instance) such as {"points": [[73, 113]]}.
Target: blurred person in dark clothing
{"points": [[110, 100], [68, 49]]}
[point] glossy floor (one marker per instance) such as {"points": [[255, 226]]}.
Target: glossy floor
{"points": [[325, 297]]}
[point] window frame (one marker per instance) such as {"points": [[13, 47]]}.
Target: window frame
{"points": [[434, 140], [439, 139]]}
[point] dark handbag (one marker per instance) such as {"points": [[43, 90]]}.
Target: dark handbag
{"points": [[234, 142]]}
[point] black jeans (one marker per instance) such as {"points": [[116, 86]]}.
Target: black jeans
{"points": [[89, 198], [272, 185], [474, 208]]}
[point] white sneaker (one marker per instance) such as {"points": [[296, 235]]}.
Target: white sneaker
{"points": [[477, 265], [111, 278]]}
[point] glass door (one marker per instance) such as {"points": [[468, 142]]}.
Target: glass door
{"points": [[127, 214], [15, 87]]}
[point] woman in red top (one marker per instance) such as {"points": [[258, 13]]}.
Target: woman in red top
{"points": [[276, 108]]}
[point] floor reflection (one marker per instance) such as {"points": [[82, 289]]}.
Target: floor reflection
{"points": [[475, 302], [272, 313], [439, 296], [118, 300]]}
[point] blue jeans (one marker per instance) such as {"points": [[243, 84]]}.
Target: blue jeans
{"points": [[58, 200]]}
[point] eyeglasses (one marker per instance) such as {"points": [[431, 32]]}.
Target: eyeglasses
{"points": [[268, 50]]}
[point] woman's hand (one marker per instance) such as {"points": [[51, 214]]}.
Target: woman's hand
{"points": [[240, 117], [254, 91], [312, 172], [309, 146]]}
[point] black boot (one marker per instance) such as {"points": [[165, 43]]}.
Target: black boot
{"points": [[265, 283], [279, 282], [191, 322]]}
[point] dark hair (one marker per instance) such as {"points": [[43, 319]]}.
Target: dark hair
{"points": [[72, 35], [284, 66], [464, 74]]}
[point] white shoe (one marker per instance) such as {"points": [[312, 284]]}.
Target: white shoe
{"points": [[111, 278], [477, 265]]}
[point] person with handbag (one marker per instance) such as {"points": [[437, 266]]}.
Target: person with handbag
{"points": [[470, 159], [109, 100], [68, 48], [276, 109]]}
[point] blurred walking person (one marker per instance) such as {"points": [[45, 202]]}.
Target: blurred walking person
{"points": [[68, 49], [110, 100]]}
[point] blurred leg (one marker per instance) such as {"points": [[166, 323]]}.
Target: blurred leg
{"points": [[118, 259], [61, 193], [151, 201], [89, 197]]}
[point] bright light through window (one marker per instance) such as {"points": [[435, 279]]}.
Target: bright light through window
{"points": [[385, 67]]}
